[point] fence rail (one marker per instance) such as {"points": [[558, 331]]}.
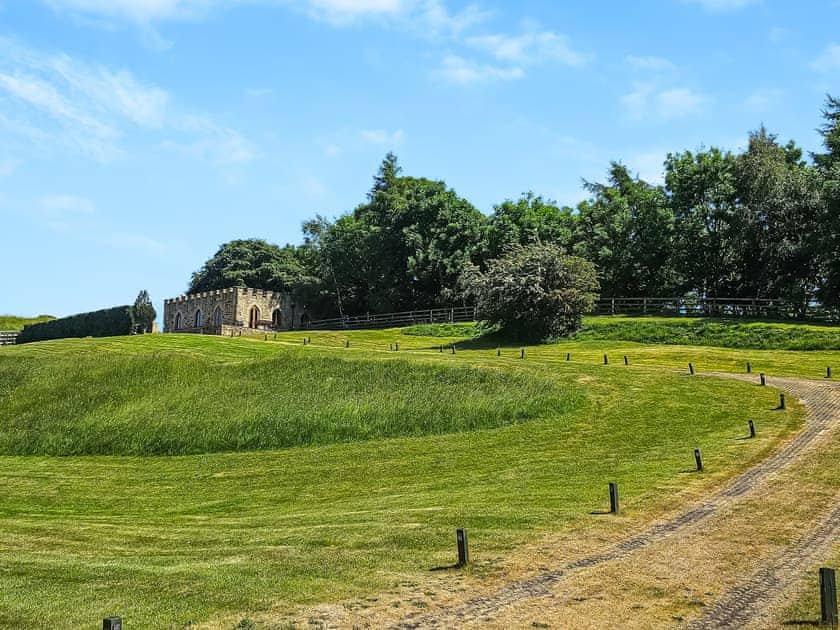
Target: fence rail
{"points": [[756, 308], [389, 320], [8, 337]]}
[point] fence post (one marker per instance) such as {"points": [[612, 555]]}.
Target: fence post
{"points": [[613, 497], [828, 597], [463, 547]]}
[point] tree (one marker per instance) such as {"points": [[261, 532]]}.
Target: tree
{"points": [[142, 313], [534, 291], [252, 263], [528, 220], [828, 164], [626, 229]]}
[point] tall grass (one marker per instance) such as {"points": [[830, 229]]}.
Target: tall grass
{"points": [[176, 404]]}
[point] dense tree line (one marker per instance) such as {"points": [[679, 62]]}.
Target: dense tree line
{"points": [[762, 223]]}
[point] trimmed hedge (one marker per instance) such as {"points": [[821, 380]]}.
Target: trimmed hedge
{"points": [[109, 322]]}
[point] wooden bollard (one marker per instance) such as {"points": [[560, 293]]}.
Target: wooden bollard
{"points": [[613, 498], [828, 597], [828, 372], [275, 336], [691, 369], [265, 338], [347, 343], [441, 349], [568, 356], [749, 367], [762, 379], [308, 340], [453, 349], [112, 623], [522, 353], [391, 347], [498, 352], [626, 362], [781, 401], [752, 429], [606, 360], [463, 547], [397, 347], [698, 459]]}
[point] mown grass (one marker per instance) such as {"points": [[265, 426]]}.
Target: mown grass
{"points": [[165, 541], [11, 322], [724, 333]]}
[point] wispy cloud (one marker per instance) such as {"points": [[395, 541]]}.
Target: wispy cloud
{"points": [[650, 63], [56, 100], [762, 100], [648, 101], [828, 60], [529, 47], [457, 69], [61, 205], [382, 137], [723, 6]]}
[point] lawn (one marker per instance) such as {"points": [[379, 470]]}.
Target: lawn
{"points": [[354, 504], [10, 322]]}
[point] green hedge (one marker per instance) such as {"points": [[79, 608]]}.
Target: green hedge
{"points": [[108, 322]]}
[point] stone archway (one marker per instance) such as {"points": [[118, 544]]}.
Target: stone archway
{"points": [[254, 317], [199, 319], [217, 317], [179, 322], [277, 318]]}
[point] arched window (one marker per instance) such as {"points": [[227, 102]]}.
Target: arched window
{"points": [[199, 318], [254, 317], [304, 320], [277, 318], [178, 321], [217, 317]]}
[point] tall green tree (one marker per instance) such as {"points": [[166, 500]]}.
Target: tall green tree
{"points": [[526, 221], [143, 313], [828, 164]]}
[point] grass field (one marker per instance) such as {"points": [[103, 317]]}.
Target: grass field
{"points": [[378, 477], [10, 322]]}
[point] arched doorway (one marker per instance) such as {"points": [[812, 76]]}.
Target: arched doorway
{"points": [[178, 321], [199, 319], [304, 320], [217, 317], [277, 318], [254, 317]]}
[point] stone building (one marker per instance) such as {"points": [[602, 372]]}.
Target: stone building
{"points": [[234, 310]]}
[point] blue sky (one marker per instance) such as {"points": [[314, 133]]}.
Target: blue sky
{"points": [[138, 135]]}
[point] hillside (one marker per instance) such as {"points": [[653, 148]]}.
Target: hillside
{"points": [[384, 453], [10, 322]]}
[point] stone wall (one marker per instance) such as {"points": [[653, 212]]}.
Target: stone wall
{"points": [[274, 311]]}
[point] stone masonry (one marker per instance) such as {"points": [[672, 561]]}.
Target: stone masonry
{"points": [[230, 311]]}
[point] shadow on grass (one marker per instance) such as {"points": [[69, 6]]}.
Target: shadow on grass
{"points": [[448, 567], [600, 512], [802, 622]]}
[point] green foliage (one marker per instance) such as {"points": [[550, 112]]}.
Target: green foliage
{"points": [[175, 404], [250, 263], [143, 313], [444, 330], [108, 322], [527, 221], [711, 332], [533, 292], [11, 322]]}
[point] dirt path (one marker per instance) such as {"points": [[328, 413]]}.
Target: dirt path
{"points": [[739, 604]]}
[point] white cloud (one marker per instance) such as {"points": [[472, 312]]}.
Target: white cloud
{"points": [[650, 63], [529, 47], [647, 101], [829, 59], [762, 100], [63, 205], [332, 150], [456, 69], [380, 136], [206, 140], [723, 6]]}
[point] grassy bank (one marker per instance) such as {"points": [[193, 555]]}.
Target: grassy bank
{"points": [[166, 541], [10, 322]]}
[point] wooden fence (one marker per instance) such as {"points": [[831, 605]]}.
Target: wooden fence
{"points": [[8, 337], [390, 320]]}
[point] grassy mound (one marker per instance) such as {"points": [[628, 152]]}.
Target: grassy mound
{"points": [[10, 322], [167, 404], [724, 333]]}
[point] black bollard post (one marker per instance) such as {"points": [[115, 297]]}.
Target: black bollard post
{"points": [[828, 597], [112, 623], [606, 360], [752, 429], [397, 346], [463, 547], [498, 352], [391, 347], [763, 379], [347, 343], [265, 338], [828, 372], [453, 349], [522, 353], [749, 367], [626, 362], [698, 459], [441, 349], [781, 401], [613, 497], [275, 336], [568, 356], [691, 369]]}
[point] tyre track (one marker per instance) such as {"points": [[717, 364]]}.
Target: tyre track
{"points": [[822, 401]]}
